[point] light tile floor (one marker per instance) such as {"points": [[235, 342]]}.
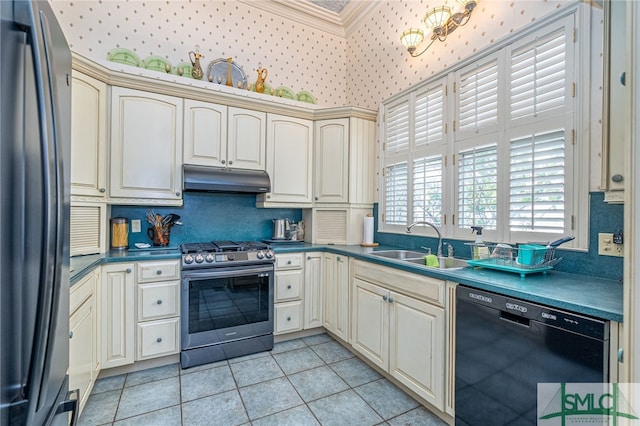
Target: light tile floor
{"points": [[308, 381]]}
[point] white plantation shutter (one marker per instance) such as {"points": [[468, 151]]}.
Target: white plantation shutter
{"points": [[478, 187], [397, 128], [537, 183], [396, 194], [538, 76], [477, 98], [429, 117], [427, 190]]}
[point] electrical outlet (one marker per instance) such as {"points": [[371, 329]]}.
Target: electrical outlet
{"points": [[606, 246], [135, 225]]}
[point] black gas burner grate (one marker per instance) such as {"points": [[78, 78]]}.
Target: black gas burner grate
{"points": [[222, 246]]}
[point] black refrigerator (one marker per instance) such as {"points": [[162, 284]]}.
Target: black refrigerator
{"points": [[35, 96]]}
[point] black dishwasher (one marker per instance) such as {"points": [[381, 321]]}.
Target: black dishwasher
{"points": [[506, 346]]}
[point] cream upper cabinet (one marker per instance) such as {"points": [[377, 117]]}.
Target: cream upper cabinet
{"points": [[117, 315], [289, 161], [362, 161], [331, 177], [205, 133], [217, 135], [615, 138], [247, 139], [88, 136], [146, 147]]}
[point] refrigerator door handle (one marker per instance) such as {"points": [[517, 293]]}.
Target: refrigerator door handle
{"points": [[70, 405]]}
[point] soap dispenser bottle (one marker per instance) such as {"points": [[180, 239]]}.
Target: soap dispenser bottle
{"points": [[479, 249]]}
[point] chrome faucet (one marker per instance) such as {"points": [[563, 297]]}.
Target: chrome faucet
{"points": [[434, 228]]}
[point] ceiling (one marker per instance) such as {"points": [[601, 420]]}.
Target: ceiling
{"points": [[333, 5], [337, 17]]}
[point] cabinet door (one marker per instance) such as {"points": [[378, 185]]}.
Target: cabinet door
{"points": [[417, 347], [370, 322], [82, 344], [146, 150], [289, 160], [330, 307], [341, 277], [313, 290], [247, 139], [88, 136], [331, 161], [205, 133], [117, 315]]}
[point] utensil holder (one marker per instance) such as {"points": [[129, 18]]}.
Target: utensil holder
{"points": [[159, 236]]}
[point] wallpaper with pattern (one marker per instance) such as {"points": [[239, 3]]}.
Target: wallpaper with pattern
{"points": [[361, 70]]}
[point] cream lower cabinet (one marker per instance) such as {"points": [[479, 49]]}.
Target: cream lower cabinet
{"points": [[289, 293], [313, 290], [146, 148], [84, 365], [117, 315], [398, 323], [336, 295], [289, 162], [158, 309]]}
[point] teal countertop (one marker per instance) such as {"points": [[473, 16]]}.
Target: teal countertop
{"points": [[587, 295]]}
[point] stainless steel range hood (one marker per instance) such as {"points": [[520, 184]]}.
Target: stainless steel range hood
{"points": [[219, 179]]}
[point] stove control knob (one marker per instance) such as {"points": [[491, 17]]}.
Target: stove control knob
{"points": [[231, 256], [188, 259], [269, 254], [199, 258], [260, 254], [209, 258]]}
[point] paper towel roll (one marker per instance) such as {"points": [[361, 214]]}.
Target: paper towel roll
{"points": [[368, 230]]}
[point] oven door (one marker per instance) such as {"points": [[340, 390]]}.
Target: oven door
{"points": [[226, 304]]}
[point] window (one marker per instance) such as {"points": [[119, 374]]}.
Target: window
{"points": [[415, 148], [478, 188], [511, 148]]}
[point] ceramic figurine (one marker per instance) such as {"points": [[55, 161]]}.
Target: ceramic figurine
{"points": [[196, 71], [262, 76]]}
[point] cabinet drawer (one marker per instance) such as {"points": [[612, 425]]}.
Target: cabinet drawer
{"points": [[158, 271], [158, 300], [81, 291], [289, 285], [289, 261], [425, 288], [288, 317], [158, 338]]}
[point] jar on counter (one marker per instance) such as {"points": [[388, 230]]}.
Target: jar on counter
{"points": [[119, 233]]}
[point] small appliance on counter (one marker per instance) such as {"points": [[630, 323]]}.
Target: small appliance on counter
{"points": [[281, 229], [287, 231], [119, 233]]}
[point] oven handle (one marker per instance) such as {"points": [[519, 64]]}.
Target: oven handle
{"points": [[227, 272]]}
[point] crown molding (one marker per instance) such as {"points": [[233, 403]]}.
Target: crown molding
{"points": [[355, 11], [303, 12]]}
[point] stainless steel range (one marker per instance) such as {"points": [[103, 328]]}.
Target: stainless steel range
{"points": [[227, 300]]}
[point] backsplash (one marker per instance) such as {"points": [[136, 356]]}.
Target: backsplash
{"points": [[603, 217], [210, 216]]}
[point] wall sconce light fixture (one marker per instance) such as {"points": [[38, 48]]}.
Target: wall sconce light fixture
{"points": [[441, 21]]}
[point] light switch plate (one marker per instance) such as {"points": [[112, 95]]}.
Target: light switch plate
{"points": [[135, 226], [606, 246]]}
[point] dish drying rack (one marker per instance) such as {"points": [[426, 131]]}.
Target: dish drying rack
{"points": [[523, 259]]}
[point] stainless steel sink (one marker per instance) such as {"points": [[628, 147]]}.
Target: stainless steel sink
{"points": [[400, 254], [449, 263]]}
